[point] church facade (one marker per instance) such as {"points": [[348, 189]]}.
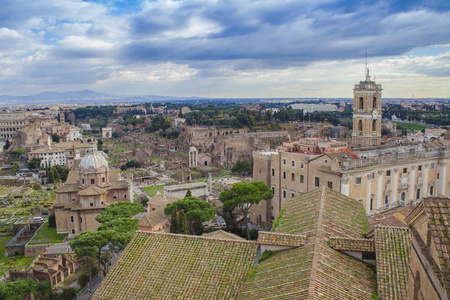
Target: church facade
{"points": [[90, 187]]}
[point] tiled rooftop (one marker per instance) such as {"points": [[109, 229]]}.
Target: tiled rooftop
{"points": [[153, 218], [299, 215], [438, 213], [392, 217], [169, 266], [315, 271], [392, 252], [223, 235]]}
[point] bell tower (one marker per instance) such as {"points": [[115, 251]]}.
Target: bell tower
{"points": [[366, 113]]}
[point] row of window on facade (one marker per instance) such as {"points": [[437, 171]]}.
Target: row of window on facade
{"points": [[316, 184], [404, 171], [402, 197], [302, 165], [11, 123], [93, 180], [10, 129]]}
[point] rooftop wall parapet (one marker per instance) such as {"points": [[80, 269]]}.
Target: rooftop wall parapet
{"points": [[352, 244], [392, 157], [281, 239]]}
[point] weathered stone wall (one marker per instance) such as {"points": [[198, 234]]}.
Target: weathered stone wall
{"points": [[34, 250]]}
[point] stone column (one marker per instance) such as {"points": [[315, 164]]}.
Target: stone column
{"points": [[442, 171], [411, 183], [345, 186], [210, 183], [425, 180], [368, 192], [379, 188], [395, 185]]}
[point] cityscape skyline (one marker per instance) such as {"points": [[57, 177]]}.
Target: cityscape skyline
{"points": [[224, 49]]}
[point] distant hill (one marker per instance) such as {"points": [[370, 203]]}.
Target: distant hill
{"points": [[82, 97]]}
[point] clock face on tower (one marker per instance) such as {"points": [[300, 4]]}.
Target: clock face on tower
{"points": [[375, 114]]}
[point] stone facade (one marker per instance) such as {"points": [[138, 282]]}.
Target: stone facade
{"points": [[106, 132], [227, 146], [379, 179], [10, 123], [198, 189]]}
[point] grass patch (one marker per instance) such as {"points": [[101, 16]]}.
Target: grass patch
{"points": [[409, 126], [157, 159], [152, 190], [47, 233], [120, 148], [16, 262]]}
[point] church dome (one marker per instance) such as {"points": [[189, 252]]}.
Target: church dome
{"points": [[94, 159]]}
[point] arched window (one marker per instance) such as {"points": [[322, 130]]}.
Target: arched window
{"points": [[374, 125], [361, 103], [374, 102], [360, 125], [403, 196]]}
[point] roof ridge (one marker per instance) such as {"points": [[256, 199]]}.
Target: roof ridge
{"points": [[194, 237], [318, 237], [393, 227], [339, 237]]}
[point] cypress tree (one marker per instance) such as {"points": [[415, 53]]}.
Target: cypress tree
{"points": [[174, 222], [182, 223], [188, 193]]}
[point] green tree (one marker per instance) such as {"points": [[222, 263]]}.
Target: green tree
{"points": [[197, 211], [174, 221], [188, 193], [7, 145], [15, 167], [55, 137], [243, 195], [25, 289], [34, 163], [89, 244], [116, 231], [119, 210], [242, 167], [182, 223], [18, 152]]}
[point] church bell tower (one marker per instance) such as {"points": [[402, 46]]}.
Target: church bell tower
{"points": [[366, 113]]}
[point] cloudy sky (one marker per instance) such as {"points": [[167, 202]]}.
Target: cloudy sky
{"points": [[224, 48]]}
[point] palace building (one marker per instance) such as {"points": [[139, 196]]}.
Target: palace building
{"points": [[378, 176]]}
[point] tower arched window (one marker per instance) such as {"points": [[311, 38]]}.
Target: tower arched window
{"points": [[361, 103], [374, 125], [360, 125], [374, 102]]}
